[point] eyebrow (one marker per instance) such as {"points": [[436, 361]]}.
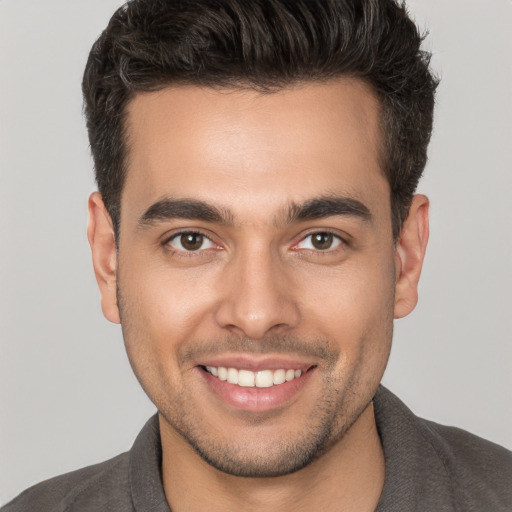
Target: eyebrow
{"points": [[193, 209], [328, 206], [167, 209]]}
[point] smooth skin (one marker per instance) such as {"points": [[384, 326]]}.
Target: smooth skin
{"points": [[258, 281]]}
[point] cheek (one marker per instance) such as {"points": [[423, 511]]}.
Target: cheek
{"points": [[165, 307], [373, 305], [158, 315], [353, 295], [353, 307]]}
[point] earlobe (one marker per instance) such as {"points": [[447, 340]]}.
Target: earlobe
{"points": [[410, 252], [101, 237]]}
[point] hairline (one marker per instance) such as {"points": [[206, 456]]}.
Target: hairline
{"points": [[236, 85]]}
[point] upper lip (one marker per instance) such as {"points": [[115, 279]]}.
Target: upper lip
{"points": [[255, 363]]}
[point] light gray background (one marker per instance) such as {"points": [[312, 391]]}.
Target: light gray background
{"points": [[68, 397]]}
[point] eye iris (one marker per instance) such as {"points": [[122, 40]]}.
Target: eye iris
{"points": [[322, 240], [191, 241]]}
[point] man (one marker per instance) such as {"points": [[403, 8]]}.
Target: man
{"points": [[255, 234]]}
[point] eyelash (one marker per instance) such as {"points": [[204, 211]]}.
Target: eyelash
{"points": [[184, 252], [340, 243]]}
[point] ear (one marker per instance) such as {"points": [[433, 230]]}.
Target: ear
{"points": [[100, 233], [410, 252]]}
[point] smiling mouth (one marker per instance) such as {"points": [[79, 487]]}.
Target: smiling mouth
{"points": [[250, 379]]}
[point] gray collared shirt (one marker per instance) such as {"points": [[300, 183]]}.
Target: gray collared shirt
{"points": [[429, 467]]}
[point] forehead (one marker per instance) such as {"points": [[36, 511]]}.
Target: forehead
{"points": [[247, 148]]}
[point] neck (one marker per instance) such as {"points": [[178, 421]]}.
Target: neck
{"points": [[350, 475]]}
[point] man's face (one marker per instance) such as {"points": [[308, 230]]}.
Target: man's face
{"points": [[256, 236]]}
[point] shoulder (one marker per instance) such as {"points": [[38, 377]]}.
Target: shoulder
{"points": [[102, 484], [480, 471], [435, 467]]}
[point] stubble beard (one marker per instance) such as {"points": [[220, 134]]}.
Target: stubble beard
{"points": [[335, 412], [268, 458]]}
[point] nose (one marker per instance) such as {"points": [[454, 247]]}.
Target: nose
{"points": [[258, 296]]}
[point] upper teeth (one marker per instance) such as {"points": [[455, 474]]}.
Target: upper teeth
{"points": [[248, 379]]}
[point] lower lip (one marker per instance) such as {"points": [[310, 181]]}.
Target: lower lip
{"points": [[257, 399]]}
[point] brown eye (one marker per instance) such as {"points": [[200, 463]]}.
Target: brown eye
{"points": [[322, 241], [190, 242]]}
